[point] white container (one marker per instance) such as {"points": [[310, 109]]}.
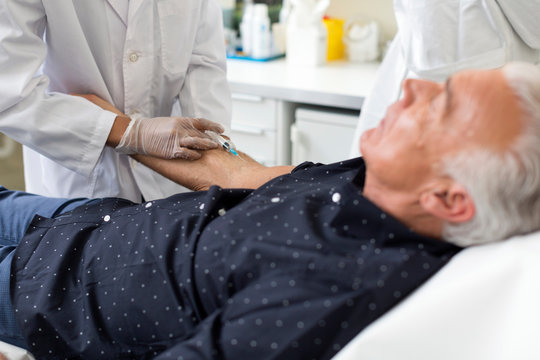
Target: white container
{"points": [[261, 45], [306, 45], [279, 36], [246, 29], [307, 36], [362, 41]]}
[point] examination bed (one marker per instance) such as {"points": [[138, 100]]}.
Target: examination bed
{"points": [[485, 304]]}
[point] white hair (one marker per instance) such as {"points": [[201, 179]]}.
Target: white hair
{"points": [[504, 188]]}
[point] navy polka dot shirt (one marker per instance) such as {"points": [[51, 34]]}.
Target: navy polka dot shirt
{"points": [[292, 270]]}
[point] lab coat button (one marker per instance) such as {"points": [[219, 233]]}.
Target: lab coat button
{"points": [[107, 218], [133, 57], [336, 197]]}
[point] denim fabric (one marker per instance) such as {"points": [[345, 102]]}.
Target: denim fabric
{"points": [[17, 209]]}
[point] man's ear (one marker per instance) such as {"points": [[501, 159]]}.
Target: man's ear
{"points": [[450, 202]]}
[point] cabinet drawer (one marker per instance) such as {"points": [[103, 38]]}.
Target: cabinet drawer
{"points": [[254, 111], [322, 135], [260, 146]]}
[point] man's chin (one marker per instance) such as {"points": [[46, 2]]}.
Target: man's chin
{"points": [[366, 140]]}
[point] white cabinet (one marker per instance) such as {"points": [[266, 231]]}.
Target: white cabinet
{"points": [[260, 127], [322, 135], [276, 132], [265, 96]]}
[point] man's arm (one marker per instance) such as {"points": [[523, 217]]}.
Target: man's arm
{"points": [[216, 167]]}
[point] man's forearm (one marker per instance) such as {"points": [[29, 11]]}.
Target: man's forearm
{"points": [[216, 167]]}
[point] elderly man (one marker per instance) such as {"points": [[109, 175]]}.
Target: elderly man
{"points": [[294, 268]]}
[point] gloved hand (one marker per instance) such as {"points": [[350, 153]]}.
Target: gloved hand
{"points": [[168, 137]]}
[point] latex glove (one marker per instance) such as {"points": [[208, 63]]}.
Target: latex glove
{"points": [[168, 137]]}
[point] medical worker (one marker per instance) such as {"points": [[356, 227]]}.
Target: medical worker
{"points": [[161, 62], [437, 38]]}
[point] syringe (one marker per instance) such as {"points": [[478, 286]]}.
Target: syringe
{"points": [[226, 144]]}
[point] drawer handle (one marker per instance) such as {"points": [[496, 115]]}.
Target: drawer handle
{"points": [[247, 129], [246, 97]]}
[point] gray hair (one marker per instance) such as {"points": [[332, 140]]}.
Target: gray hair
{"points": [[505, 188]]}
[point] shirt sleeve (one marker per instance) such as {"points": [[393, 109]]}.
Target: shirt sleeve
{"points": [[49, 123], [206, 91]]}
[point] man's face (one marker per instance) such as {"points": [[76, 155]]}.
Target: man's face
{"points": [[431, 121]]}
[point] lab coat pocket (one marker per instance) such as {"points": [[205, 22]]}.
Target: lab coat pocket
{"points": [[442, 36], [178, 22]]}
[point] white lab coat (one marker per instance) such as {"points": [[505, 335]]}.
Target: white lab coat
{"points": [[147, 57], [436, 38]]}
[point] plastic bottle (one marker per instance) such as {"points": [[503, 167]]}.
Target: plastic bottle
{"points": [[279, 29], [246, 28], [262, 36], [285, 12]]}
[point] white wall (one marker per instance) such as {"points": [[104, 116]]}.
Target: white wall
{"points": [[380, 10]]}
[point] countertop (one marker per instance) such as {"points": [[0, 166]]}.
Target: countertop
{"points": [[337, 84]]}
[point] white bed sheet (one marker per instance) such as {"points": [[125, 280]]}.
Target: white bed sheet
{"points": [[485, 304], [11, 352]]}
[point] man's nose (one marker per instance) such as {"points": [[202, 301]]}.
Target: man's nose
{"points": [[408, 92], [414, 89]]}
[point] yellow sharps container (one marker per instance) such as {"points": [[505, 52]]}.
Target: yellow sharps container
{"points": [[336, 48]]}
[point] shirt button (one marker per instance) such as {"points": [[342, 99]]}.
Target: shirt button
{"points": [[107, 218], [275, 200], [148, 205], [222, 212], [336, 197], [133, 57]]}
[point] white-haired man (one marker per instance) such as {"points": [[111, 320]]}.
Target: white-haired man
{"points": [[293, 268]]}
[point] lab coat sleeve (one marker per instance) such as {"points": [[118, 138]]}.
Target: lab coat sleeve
{"points": [[205, 92], [69, 130], [523, 16]]}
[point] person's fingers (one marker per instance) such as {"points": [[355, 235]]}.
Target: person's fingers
{"points": [[187, 154], [199, 143], [204, 124]]}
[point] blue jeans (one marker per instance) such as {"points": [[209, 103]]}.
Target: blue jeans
{"points": [[17, 209]]}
